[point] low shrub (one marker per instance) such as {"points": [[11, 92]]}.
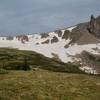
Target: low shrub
{"points": [[3, 71]]}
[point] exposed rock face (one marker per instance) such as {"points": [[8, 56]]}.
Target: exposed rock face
{"points": [[87, 39], [45, 42], [94, 26], [22, 38], [59, 32], [54, 40], [44, 35], [81, 28], [85, 33], [91, 61], [79, 35], [66, 46], [66, 34], [98, 20]]}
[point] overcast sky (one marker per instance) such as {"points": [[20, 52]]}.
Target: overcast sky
{"points": [[33, 16]]}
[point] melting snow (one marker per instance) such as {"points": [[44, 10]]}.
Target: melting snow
{"points": [[71, 28], [88, 70], [65, 54]]}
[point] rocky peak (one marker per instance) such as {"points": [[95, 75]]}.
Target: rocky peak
{"points": [[94, 26]]}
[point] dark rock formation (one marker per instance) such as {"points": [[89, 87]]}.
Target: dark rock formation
{"points": [[23, 38], [81, 28], [54, 40], [66, 34], [84, 33], [59, 32], [46, 42], [94, 26], [91, 60], [44, 35], [66, 46]]}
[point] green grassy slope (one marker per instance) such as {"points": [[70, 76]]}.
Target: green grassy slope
{"points": [[13, 59], [47, 85]]}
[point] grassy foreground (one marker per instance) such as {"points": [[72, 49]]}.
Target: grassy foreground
{"points": [[47, 85]]}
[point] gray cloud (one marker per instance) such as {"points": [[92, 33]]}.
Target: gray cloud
{"points": [[33, 16]]}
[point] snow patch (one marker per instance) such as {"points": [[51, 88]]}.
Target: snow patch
{"points": [[65, 54], [71, 28], [88, 70]]}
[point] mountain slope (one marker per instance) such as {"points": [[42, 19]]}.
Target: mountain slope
{"points": [[13, 59], [63, 44]]}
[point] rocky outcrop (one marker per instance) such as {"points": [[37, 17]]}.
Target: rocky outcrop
{"points": [[66, 35], [59, 32], [85, 33], [94, 26], [44, 35], [46, 42], [91, 60], [54, 40], [23, 38]]}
